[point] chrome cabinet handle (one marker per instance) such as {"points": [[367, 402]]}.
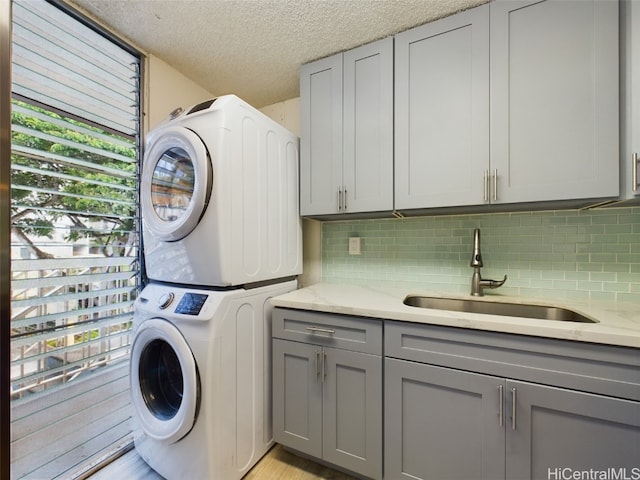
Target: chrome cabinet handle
{"points": [[339, 199], [324, 365], [321, 330], [513, 408], [345, 200], [495, 184], [501, 404], [634, 172], [316, 367], [486, 185]]}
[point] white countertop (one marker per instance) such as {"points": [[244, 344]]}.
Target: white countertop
{"points": [[618, 324]]}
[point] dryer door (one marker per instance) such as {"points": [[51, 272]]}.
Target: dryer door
{"points": [[175, 184], [165, 386]]}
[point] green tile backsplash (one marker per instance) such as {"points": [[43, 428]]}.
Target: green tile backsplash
{"points": [[575, 254]]}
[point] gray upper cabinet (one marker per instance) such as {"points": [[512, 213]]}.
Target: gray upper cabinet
{"points": [[321, 135], [511, 102], [442, 112], [554, 100], [630, 104], [346, 147]]}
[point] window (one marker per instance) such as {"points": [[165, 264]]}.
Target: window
{"points": [[75, 268]]}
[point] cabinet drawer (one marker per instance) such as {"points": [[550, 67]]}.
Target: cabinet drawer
{"points": [[603, 369], [339, 331]]}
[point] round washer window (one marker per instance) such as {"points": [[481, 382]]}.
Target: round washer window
{"points": [[172, 184], [161, 382]]}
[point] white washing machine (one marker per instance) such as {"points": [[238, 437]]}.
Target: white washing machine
{"points": [[201, 381], [219, 197]]}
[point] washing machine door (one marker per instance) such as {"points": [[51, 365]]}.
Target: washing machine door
{"points": [[165, 386], [175, 186]]}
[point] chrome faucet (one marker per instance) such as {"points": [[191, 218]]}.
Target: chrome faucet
{"points": [[477, 282]]}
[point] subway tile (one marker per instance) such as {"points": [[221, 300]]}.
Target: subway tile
{"points": [[603, 257], [571, 275], [590, 286], [629, 258], [616, 287], [633, 297], [615, 229], [629, 278], [603, 296], [603, 276], [618, 267], [563, 246]]}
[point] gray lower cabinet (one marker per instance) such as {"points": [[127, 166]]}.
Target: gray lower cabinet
{"points": [[451, 424], [458, 403], [441, 423], [328, 399], [556, 431], [297, 397], [457, 423]]}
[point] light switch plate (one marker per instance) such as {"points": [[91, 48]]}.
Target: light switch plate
{"points": [[354, 245]]}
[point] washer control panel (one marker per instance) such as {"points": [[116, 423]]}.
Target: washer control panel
{"points": [[191, 303]]}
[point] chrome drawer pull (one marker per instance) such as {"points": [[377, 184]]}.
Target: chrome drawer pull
{"points": [[321, 330], [501, 404], [318, 353], [513, 408], [324, 366]]}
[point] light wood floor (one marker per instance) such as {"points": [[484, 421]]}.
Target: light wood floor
{"points": [[278, 464]]}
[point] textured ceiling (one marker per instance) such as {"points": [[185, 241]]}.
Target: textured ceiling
{"points": [[254, 48]]}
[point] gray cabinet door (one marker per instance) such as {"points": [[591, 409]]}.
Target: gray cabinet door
{"points": [[630, 98], [442, 423], [321, 135], [554, 100], [442, 112], [558, 432], [368, 128], [297, 396], [352, 411]]}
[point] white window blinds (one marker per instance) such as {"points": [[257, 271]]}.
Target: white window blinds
{"points": [[75, 268], [74, 70]]}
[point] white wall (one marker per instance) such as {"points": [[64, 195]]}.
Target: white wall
{"points": [[168, 89], [286, 113]]}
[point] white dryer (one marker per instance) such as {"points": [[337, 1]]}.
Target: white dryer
{"points": [[219, 197], [200, 379]]}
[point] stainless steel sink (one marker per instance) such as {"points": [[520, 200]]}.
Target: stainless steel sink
{"points": [[498, 308]]}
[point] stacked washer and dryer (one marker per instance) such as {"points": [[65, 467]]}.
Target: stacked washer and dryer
{"points": [[221, 236]]}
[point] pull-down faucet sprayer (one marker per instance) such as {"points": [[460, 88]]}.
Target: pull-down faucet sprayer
{"points": [[477, 282]]}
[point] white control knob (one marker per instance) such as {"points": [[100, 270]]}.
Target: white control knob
{"points": [[165, 300]]}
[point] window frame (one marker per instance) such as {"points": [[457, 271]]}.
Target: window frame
{"points": [[5, 192]]}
